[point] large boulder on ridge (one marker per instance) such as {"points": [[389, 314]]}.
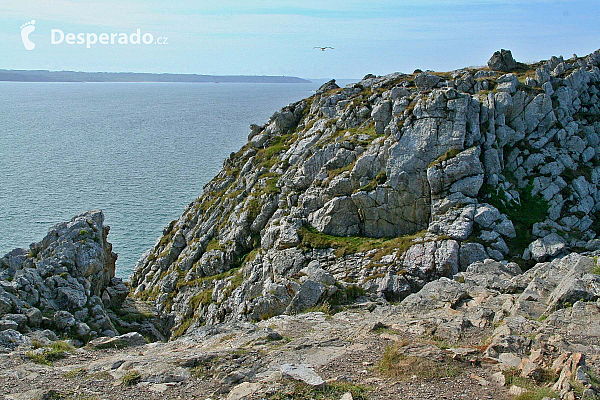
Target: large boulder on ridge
{"points": [[503, 60]]}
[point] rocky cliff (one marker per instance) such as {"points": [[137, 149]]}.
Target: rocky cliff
{"points": [[282, 278], [63, 286], [379, 187]]}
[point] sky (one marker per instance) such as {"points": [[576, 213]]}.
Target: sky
{"points": [[277, 37]]}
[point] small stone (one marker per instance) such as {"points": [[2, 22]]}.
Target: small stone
{"points": [[499, 379], [516, 390], [304, 373], [243, 390]]}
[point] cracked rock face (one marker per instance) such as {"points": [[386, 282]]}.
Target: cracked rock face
{"points": [[387, 184], [63, 284]]}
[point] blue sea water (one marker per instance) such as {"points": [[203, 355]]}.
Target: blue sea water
{"points": [[138, 151]]}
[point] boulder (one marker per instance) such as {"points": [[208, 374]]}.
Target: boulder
{"points": [[130, 339], [426, 80], [327, 86], [303, 373], [547, 247], [308, 296], [502, 60]]}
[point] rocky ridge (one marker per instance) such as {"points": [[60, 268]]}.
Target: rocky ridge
{"points": [[493, 332], [63, 287], [382, 186]]}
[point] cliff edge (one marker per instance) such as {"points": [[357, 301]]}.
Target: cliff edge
{"points": [[375, 189]]}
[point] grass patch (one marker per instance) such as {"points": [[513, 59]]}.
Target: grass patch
{"points": [[203, 298], [75, 373], [332, 173], [254, 207], [68, 395], [325, 308], [532, 209], [534, 390], [596, 269], [396, 365], [55, 351], [271, 186], [182, 328], [378, 180], [344, 245], [131, 378], [100, 376], [213, 245], [346, 295], [202, 370], [444, 157], [136, 316], [332, 391]]}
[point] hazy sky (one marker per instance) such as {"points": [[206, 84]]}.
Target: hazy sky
{"points": [[276, 37]]}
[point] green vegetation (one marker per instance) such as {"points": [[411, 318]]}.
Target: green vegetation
{"points": [[351, 135], [596, 269], [202, 369], [131, 378], [338, 299], [204, 296], [75, 373], [378, 180], [344, 245], [213, 245], [325, 308], [583, 170], [579, 389], [535, 390], [332, 391], [235, 283], [396, 365], [271, 186], [338, 171], [532, 209], [133, 316], [444, 157], [254, 208], [55, 351], [266, 157], [68, 395], [182, 328]]}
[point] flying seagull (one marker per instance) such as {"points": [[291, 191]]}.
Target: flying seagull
{"points": [[323, 48]]}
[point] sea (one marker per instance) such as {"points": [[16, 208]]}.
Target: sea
{"points": [[138, 151]]}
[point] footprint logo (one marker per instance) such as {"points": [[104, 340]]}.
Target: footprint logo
{"points": [[26, 29]]}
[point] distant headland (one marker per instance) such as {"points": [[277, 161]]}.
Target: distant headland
{"points": [[77, 76]]}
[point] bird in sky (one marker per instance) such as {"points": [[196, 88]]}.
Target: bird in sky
{"points": [[323, 48]]}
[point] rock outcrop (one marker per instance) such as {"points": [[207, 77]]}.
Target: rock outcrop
{"points": [[491, 332], [503, 61], [61, 286], [383, 186]]}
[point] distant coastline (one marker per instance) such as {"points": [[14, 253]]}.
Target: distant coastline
{"points": [[76, 76]]}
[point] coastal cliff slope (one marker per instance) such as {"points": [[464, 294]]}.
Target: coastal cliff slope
{"points": [[379, 187], [421, 236]]}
